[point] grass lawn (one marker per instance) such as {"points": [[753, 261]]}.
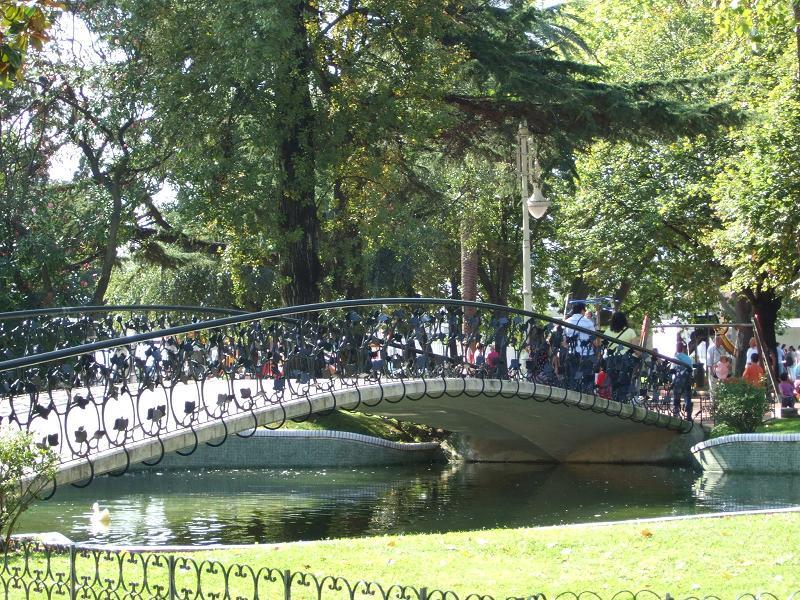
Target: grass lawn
{"points": [[780, 426], [356, 422], [725, 557]]}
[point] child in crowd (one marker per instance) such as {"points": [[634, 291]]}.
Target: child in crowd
{"points": [[786, 390], [753, 372], [601, 381], [722, 370]]}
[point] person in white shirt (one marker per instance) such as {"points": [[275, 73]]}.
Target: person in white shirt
{"points": [[702, 349], [580, 340], [581, 370], [753, 349], [715, 351]]}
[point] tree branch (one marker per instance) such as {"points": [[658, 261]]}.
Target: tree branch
{"points": [[351, 10], [185, 242]]}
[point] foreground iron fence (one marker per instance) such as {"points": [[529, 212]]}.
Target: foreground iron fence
{"points": [[32, 569]]}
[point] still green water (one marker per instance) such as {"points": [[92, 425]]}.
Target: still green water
{"points": [[246, 506]]}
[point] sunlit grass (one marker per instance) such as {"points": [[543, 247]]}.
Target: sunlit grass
{"points": [[355, 422], [780, 426], [725, 557]]}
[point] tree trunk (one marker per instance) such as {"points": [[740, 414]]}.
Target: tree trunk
{"points": [[347, 250], [299, 252], [742, 314], [579, 290], [621, 293], [496, 279], [469, 273], [766, 305], [110, 254]]}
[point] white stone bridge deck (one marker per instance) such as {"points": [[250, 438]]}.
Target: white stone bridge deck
{"points": [[503, 420]]}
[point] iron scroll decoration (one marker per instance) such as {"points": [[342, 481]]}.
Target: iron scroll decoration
{"points": [[32, 332], [31, 569], [110, 390]]}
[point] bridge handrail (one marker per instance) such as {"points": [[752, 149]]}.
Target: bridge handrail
{"points": [[155, 387], [63, 311], [76, 351]]}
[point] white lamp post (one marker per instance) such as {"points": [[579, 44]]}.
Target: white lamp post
{"points": [[535, 205]]}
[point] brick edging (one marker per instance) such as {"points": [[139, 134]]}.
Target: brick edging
{"points": [[746, 437]]}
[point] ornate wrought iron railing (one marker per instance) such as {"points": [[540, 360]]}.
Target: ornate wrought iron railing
{"points": [[34, 570], [110, 394], [32, 332]]}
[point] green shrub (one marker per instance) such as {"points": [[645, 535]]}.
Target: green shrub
{"points": [[26, 469], [740, 406], [721, 429]]}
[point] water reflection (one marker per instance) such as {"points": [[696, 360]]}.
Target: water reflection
{"points": [[244, 506], [743, 491]]}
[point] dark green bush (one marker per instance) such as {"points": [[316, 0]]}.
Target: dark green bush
{"points": [[740, 406], [721, 429]]}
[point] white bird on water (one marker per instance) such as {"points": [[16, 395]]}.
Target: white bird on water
{"points": [[100, 516]]}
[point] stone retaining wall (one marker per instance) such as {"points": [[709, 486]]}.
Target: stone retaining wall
{"points": [[287, 448], [750, 453]]}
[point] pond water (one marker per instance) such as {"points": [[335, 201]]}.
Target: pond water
{"points": [[264, 506]]}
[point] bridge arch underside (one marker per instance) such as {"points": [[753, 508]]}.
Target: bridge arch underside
{"points": [[500, 420]]}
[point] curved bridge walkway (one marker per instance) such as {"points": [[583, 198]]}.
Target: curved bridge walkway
{"points": [[143, 386]]}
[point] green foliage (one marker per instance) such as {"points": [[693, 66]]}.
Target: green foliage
{"points": [[760, 24], [308, 137], [740, 406], [192, 281], [636, 225], [26, 469], [724, 200], [342, 149], [756, 192], [636, 222], [22, 24], [721, 429], [50, 231]]}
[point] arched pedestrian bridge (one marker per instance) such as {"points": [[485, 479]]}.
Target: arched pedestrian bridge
{"points": [[107, 387]]}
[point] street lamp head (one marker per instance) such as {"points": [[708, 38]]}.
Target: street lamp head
{"points": [[537, 203]]}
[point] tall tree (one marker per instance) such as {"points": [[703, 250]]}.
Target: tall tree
{"points": [[722, 200], [289, 114], [756, 183]]}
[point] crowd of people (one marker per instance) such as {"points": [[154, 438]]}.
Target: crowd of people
{"points": [[720, 367], [716, 356], [571, 355], [574, 356]]}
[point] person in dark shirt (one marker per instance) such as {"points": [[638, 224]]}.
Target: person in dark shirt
{"points": [[682, 383]]}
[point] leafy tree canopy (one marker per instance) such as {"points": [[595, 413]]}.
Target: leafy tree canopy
{"points": [[22, 24]]}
